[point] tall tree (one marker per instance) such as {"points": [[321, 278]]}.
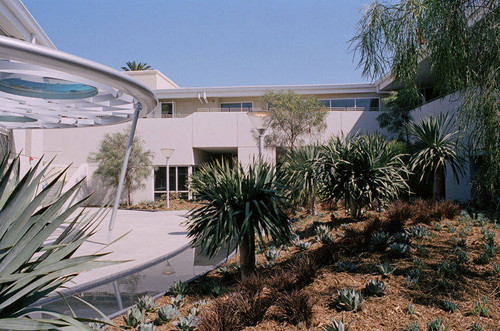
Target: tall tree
{"points": [[139, 66], [238, 205], [460, 43], [295, 118], [109, 160], [436, 147]]}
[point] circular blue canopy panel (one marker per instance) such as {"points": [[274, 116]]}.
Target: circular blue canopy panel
{"points": [[46, 87]]}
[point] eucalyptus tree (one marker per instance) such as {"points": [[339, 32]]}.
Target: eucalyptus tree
{"points": [[297, 119], [435, 140], [239, 204], [109, 160], [133, 66], [301, 169], [36, 257], [362, 170], [459, 41]]}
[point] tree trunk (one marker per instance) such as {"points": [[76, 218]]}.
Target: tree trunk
{"points": [[128, 188], [247, 255], [312, 205], [438, 188]]}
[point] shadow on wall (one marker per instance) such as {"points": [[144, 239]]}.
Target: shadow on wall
{"points": [[100, 195]]}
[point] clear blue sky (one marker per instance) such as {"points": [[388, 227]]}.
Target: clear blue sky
{"points": [[212, 42]]}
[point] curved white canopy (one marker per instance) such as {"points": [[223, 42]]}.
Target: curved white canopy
{"points": [[45, 88]]}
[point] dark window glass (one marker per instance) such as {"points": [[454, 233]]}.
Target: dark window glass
{"points": [[161, 179], [367, 104], [182, 176], [343, 103], [167, 109], [172, 179], [236, 106], [325, 102], [246, 106]]}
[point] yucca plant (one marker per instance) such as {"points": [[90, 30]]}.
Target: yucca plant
{"points": [[362, 170], [339, 325], [238, 205], [436, 141], [33, 262], [301, 174], [349, 299]]}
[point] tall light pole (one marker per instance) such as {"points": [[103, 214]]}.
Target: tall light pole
{"points": [[167, 152], [260, 121]]}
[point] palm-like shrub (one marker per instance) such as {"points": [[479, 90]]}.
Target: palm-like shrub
{"points": [[301, 174], [435, 139], [361, 170], [238, 205], [34, 258]]}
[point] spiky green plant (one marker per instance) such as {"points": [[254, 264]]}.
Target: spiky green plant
{"points": [[179, 287], [362, 170], [146, 303], [385, 269], [436, 325], [399, 249], [436, 141], [448, 306], [187, 323], [375, 287], [346, 266], [133, 66], [380, 240], [481, 308], [134, 317], [301, 174], [339, 325], [166, 314], [323, 234], [349, 299], [178, 301], [238, 205], [413, 326], [146, 327], [36, 259]]}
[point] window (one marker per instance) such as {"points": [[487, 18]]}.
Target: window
{"points": [[236, 106], [360, 104], [167, 110], [178, 178]]}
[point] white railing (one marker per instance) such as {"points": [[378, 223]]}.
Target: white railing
{"points": [[353, 108], [227, 110]]}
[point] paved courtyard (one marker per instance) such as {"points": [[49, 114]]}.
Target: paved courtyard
{"points": [[151, 235]]}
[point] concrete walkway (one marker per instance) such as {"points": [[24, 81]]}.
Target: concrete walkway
{"points": [[152, 235]]}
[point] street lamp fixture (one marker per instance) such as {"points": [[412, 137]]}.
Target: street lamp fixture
{"points": [[167, 152], [261, 121]]}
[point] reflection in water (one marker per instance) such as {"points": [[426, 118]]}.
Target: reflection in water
{"points": [[121, 293]]}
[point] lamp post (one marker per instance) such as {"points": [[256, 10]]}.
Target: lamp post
{"points": [[167, 152], [260, 121]]}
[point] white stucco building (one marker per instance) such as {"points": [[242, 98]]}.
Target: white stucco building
{"points": [[199, 123]]}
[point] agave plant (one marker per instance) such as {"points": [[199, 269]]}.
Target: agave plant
{"points": [[238, 205], [146, 303], [380, 240], [33, 262], [375, 287], [385, 269], [166, 314], [436, 141], [301, 174], [179, 287], [146, 327], [178, 301], [362, 170], [349, 299], [323, 234], [338, 325], [186, 323], [134, 317], [399, 249]]}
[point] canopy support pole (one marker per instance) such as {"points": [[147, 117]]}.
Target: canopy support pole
{"points": [[123, 171]]}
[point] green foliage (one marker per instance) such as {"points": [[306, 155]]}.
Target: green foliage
{"points": [[461, 255], [401, 238], [133, 66], [399, 249], [458, 41], [419, 232], [399, 104], [109, 160], [375, 287], [481, 308], [413, 326], [496, 268], [134, 317], [349, 299], [237, 205], [146, 303], [436, 325], [35, 257], [186, 323], [323, 234], [482, 259], [437, 226], [362, 170], [410, 310], [272, 254], [301, 244], [166, 314], [339, 325], [475, 327], [411, 282], [146, 327], [297, 119], [385, 269], [179, 287], [380, 240], [301, 174], [448, 306], [436, 142], [178, 301], [346, 266], [447, 269]]}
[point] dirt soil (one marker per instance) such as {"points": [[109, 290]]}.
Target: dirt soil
{"points": [[468, 285]]}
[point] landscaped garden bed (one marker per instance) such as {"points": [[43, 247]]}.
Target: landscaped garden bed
{"points": [[429, 264]]}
